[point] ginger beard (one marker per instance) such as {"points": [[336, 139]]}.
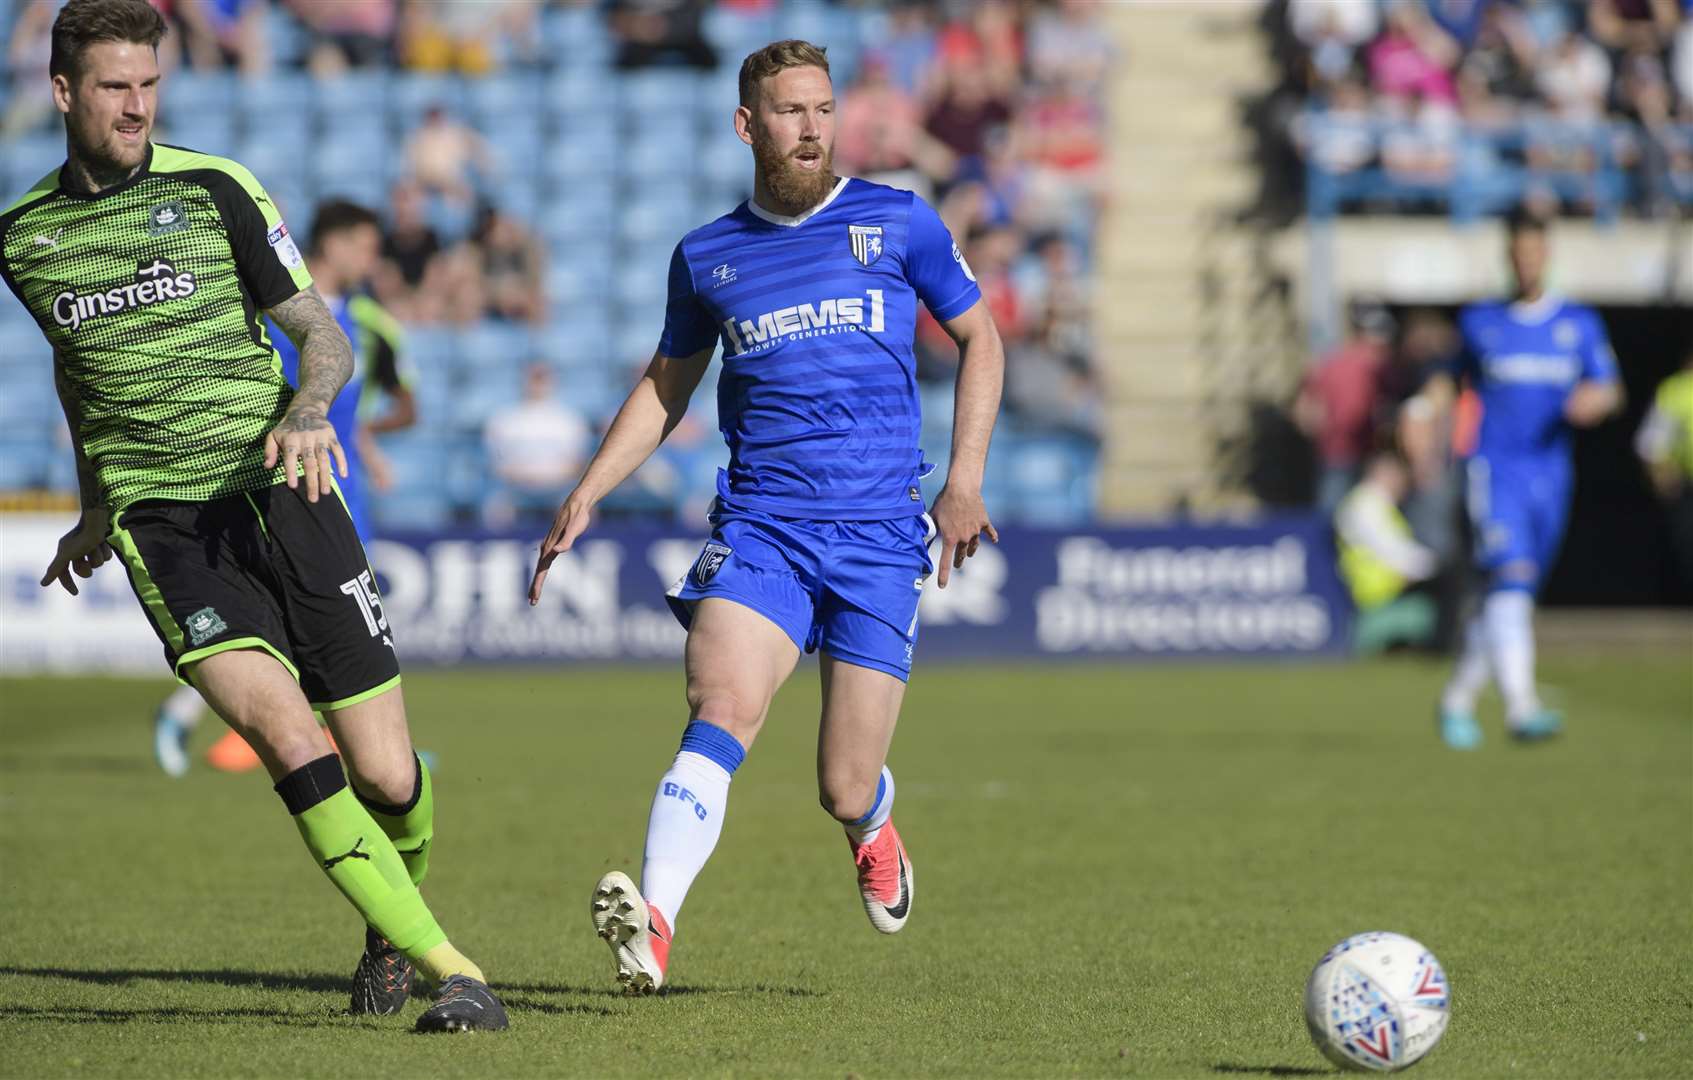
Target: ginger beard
{"points": [[797, 189]]}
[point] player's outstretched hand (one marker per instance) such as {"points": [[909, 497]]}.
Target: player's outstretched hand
{"points": [[568, 524], [80, 551], [961, 520], [304, 443]]}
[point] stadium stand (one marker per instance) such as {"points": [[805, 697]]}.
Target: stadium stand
{"points": [[604, 155]]}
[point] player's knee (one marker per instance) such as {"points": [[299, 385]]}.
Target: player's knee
{"points": [[732, 712], [388, 782], [846, 798]]}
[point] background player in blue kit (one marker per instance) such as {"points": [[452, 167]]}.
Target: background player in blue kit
{"points": [[1542, 366], [344, 245], [819, 538]]}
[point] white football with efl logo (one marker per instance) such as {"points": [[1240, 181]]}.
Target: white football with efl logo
{"points": [[1377, 1002]]}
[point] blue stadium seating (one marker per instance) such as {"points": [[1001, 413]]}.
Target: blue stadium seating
{"points": [[581, 90], [610, 168], [353, 92], [25, 462]]}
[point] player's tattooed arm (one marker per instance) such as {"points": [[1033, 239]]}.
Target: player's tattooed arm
{"points": [[83, 548], [304, 442], [960, 515]]}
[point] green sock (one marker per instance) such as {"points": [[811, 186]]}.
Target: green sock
{"points": [[357, 856], [412, 826]]}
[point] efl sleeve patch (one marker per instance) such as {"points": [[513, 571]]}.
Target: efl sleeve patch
{"points": [[284, 247]]}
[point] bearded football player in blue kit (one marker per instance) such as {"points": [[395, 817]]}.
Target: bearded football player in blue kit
{"points": [[1542, 367], [820, 541]]}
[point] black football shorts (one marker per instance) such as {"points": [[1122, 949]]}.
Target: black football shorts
{"points": [[262, 570]]}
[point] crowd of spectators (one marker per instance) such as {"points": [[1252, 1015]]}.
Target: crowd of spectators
{"points": [[993, 110], [1387, 468], [1565, 90]]}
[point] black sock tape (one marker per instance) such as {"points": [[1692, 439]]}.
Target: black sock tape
{"points": [[311, 783]]}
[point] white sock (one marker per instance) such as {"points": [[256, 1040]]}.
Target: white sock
{"points": [[1510, 635], [867, 827], [1474, 668], [687, 816], [185, 706]]}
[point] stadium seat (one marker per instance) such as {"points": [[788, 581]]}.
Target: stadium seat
{"points": [[724, 159], [580, 153], [276, 163], [808, 20], [29, 405], [24, 463], [517, 149], [464, 480], [737, 33], [577, 212], [498, 99], [581, 90], [578, 283], [208, 131], [518, 197], [23, 350], [352, 93], [1051, 478], [279, 93], [411, 509], [192, 92], [657, 92], [409, 96], [576, 336], [30, 157], [369, 128], [490, 345], [718, 94], [659, 216]]}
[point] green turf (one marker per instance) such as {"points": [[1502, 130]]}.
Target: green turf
{"points": [[1122, 872]]}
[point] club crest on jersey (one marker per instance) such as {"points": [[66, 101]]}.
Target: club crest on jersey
{"points": [[866, 243], [204, 624], [710, 561], [167, 217]]}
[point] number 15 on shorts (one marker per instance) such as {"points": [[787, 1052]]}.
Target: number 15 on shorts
{"points": [[363, 591]]}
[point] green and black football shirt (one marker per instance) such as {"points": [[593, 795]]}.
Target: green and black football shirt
{"points": [[150, 293]]}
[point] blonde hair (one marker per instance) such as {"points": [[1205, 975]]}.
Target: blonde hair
{"points": [[775, 57]]}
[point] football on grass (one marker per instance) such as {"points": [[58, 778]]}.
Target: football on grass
{"points": [[1377, 1002]]}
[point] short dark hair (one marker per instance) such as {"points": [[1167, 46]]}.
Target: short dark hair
{"points": [[776, 57], [338, 215], [1525, 219], [82, 23]]}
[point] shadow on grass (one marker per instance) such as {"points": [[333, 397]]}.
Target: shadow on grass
{"points": [[79, 1014], [1270, 1070], [264, 980], [669, 991], [337, 984]]}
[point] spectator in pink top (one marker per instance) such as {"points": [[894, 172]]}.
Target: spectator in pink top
{"points": [[1413, 59], [880, 134], [1336, 407]]}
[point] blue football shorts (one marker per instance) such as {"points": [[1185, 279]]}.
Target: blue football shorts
{"points": [[1518, 510], [848, 587]]}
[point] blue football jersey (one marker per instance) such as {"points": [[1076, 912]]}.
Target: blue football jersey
{"points": [[343, 411], [817, 398], [1523, 360]]}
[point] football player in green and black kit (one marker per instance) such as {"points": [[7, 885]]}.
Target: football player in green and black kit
{"points": [[148, 267]]}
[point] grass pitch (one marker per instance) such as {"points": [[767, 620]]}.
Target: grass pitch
{"points": [[1123, 872]]}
